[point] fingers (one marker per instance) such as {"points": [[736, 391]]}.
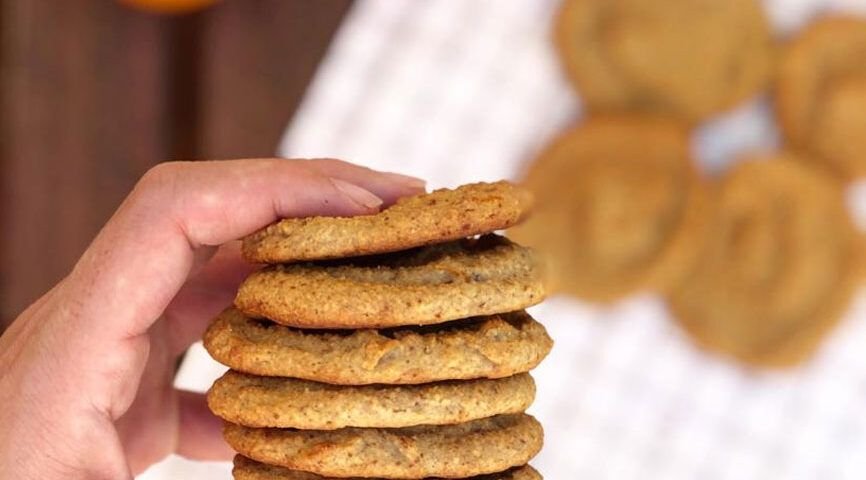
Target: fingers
{"points": [[143, 256], [199, 431], [204, 295], [215, 202], [102, 312], [175, 421], [387, 186], [208, 292], [96, 332]]}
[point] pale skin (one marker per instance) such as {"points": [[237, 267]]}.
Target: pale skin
{"points": [[86, 372]]}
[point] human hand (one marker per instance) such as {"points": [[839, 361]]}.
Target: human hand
{"points": [[86, 372]]}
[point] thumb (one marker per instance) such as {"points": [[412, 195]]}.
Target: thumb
{"points": [[199, 435]]}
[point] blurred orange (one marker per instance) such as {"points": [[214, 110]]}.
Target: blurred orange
{"points": [[169, 6]]}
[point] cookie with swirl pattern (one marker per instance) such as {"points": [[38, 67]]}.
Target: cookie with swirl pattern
{"points": [[779, 268], [821, 94], [619, 207], [685, 58]]}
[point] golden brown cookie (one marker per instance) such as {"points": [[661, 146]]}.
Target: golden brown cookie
{"points": [[687, 58], [423, 286], [256, 401], [486, 347], [619, 207], [779, 267], [435, 217], [246, 469], [821, 95], [464, 450]]}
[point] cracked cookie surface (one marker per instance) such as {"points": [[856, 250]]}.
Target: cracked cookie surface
{"points": [[424, 286], [485, 347], [454, 451], [256, 401], [436, 217]]}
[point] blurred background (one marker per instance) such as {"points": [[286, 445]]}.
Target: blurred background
{"points": [[94, 92]]}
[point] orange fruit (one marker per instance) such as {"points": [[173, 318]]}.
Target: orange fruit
{"points": [[171, 7]]}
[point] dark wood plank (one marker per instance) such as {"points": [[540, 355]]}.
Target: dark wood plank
{"points": [[93, 93], [256, 60], [83, 118]]}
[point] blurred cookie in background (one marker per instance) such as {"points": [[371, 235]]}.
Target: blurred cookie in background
{"points": [[680, 57], [780, 265], [821, 94], [618, 207]]}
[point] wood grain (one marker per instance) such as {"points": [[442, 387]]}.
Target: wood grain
{"points": [[82, 90], [93, 93], [268, 50]]}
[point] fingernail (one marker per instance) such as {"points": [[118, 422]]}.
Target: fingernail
{"points": [[413, 182], [358, 194]]}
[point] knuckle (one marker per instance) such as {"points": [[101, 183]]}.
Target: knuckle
{"points": [[159, 174], [157, 182]]}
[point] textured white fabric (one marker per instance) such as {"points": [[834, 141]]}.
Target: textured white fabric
{"points": [[460, 91]]}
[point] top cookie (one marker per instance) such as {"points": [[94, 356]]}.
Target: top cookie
{"points": [[821, 96], [413, 221], [680, 57]]}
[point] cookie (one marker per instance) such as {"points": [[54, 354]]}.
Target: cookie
{"points": [[464, 450], [821, 94], [246, 469], [690, 59], [486, 347], [256, 401], [779, 268], [423, 286], [435, 217], [619, 207]]}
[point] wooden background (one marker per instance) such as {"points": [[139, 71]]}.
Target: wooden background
{"points": [[93, 93]]}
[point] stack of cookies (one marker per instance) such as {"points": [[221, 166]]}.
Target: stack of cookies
{"points": [[392, 345]]}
